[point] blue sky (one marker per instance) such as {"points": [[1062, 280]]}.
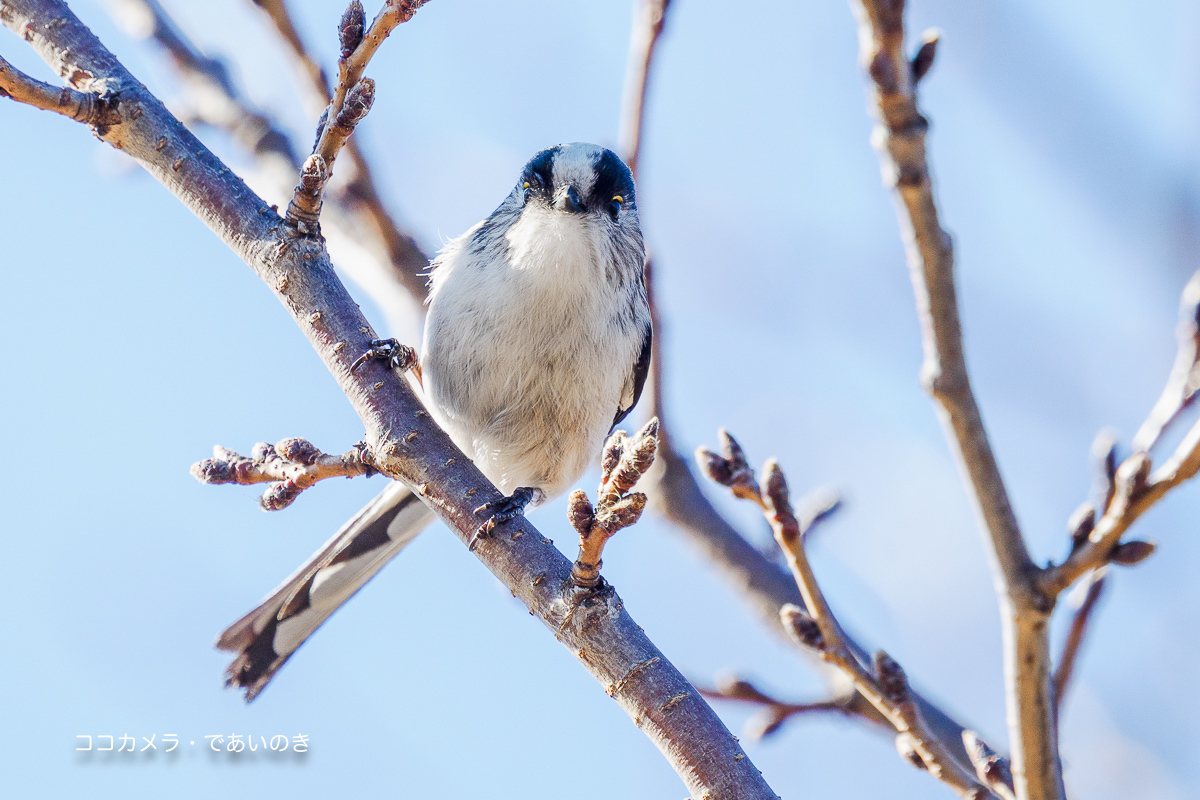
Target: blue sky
{"points": [[1063, 147]]}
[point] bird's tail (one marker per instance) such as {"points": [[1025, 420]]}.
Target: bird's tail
{"points": [[265, 638]]}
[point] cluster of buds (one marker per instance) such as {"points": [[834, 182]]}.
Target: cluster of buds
{"points": [[730, 469], [1117, 485], [625, 460], [290, 466]]}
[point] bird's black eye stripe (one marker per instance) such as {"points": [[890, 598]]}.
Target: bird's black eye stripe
{"points": [[613, 180], [539, 173]]}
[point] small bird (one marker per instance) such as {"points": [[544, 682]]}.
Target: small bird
{"points": [[537, 343]]}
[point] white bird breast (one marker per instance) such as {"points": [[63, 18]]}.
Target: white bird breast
{"points": [[526, 355]]}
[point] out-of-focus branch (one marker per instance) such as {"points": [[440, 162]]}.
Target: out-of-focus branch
{"points": [[290, 466], [359, 193], [89, 108], [899, 137], [1074, 641], [816, 627], [405, 443], [649, 17], [1137, 487], [1184, 382], [991, 768], [774, 713]]}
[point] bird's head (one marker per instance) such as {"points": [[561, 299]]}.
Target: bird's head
{"points": [[581, 179]]}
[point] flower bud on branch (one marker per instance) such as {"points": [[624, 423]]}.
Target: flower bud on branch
{"points": [[625, 460], [290, 466], [351, 28]]}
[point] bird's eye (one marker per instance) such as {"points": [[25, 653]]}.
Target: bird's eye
{"points": [[614, 207], [526, 184]]}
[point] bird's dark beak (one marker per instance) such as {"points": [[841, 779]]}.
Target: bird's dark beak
{"points": [[570, 201]]}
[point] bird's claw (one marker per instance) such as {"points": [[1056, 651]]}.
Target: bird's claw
{"points": [[398, 356], [503, 510]]}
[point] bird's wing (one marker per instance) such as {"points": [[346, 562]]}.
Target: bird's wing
{"points": [[637, 380], [266, 637]]}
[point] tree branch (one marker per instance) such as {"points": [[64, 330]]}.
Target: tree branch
{"points": [[86, 107], [352, 98], [774, 712], [676, 494], [359, 193], [649, 17], [1138, 487], [817, 628], [1184, 381], [625, 461], [367, 243], [899, 138], [1074, 641], [406, 444], [290, 466]]}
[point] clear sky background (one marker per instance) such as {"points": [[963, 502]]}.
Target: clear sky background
{"points": [[1064, 150]]}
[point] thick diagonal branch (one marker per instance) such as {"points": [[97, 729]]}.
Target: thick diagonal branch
{"points": [[899, 137], [407, 445]]}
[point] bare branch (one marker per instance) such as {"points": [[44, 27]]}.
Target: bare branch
{"points": [[359, 194], [86, 107], [356, 222], [625, 461], [677, 494], [774, 712], [405, 442], [290, 466], [1138, 487], [1079, 627], [352, 98], [899, 137], [649, 17], [991, 768], [815, 626], [1184, 381]]}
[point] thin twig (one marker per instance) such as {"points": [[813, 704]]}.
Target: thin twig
{"points": [[352, 99], [1138, 487], [774, 713], [815, 626], [1079, 627], [86, 107], [359, 192], [625, 460], [990, 767], [374, 252], [290, 466], [887, 686], [405, 442], [1184, 381], [899, 137], [649, 17]]}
